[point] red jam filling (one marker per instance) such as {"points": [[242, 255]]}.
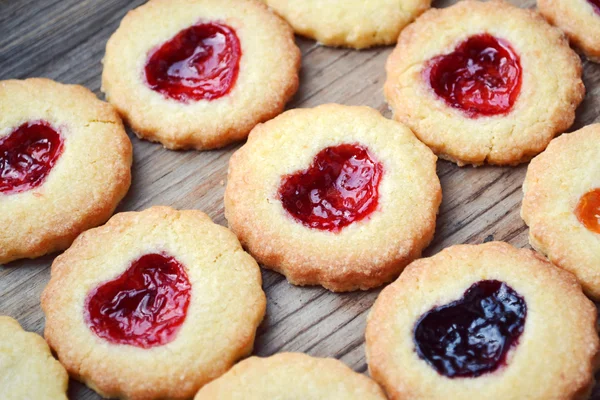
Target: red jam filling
{"points": [[27, 156], [143, 307], [588, 210], [471, 336], [200, 63], [481, 77], [340, 187], [596, 5]]}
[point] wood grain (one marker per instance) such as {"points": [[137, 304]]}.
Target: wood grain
{"points": [[64, 40]]}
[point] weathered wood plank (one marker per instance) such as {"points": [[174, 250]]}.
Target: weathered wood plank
{"points": [[65, 39]]}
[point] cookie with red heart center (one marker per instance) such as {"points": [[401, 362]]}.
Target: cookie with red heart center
{"points": [[200, 73], [65, 164], [153, 305]]}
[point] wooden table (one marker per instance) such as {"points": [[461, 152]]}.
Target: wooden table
{"points": [[64, 40]]}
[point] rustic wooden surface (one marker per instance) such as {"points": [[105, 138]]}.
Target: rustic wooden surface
{"points": [[64, 40]]}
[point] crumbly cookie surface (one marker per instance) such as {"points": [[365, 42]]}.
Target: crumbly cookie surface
{"points": [[555, 182], [354, 23], [226, 305], [28, 369], [551, 85], [292, 376], [554, 358], [88, 180], [362, 255], [267, 78], [579, 20]]}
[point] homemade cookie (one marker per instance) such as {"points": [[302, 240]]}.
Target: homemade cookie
{"points": [[335, 195], [484, 82], [561, 205], [291, 376], [65, 163], [350, 23], [28, 369], [579, 19], [153, 305], [483, 321], [200, 73]]}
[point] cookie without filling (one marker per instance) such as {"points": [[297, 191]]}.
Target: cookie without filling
{"points": [[484, 82], [153, 305], [335, 195]]}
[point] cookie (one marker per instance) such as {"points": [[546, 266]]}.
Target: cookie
{"points": [[200, 73], [153, 305], [561, 203], [291, 376], [65, 163], [350, 23], [579, 19], [335, 195], [28, 369], [483, 321], [484, 82]]}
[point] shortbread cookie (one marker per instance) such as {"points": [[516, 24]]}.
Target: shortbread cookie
{"points": [[28, 369], [291, 376], [65, 163], [153, 305], [561, 205], [484, 82], [483, 322], [200, 73], [579, 19], [336, 196], [350, 23]]}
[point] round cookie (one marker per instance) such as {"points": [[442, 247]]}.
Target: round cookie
{"points": [[153, 305], [579, 19], [65, 163], [483, 321], [350, 23], [335, 195], [200, 73], [28, 369], [484, 82], [291, 376], [561, 204]]}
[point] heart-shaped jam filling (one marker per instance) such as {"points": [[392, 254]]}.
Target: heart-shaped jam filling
{"points": [[341, 186], [596, 5], [143, 307], [481, 77], [27, 156], [471, 336], [588, 210], [200, 63]]}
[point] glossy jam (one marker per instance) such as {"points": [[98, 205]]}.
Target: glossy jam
{"points": [[200, 63], [596, 5], [481, 77], [340, 187], [471, 336], [588, 210], [27, 156], [143, 307]]}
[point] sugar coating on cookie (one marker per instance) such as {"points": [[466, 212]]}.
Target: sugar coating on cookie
{"points": [[484, 82], [153, 305], [335, 195], [483, 321], [291, 376], [28, 369], [65, 162], [200, 73], [560, 205], [350, 23], [579, 19]]}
